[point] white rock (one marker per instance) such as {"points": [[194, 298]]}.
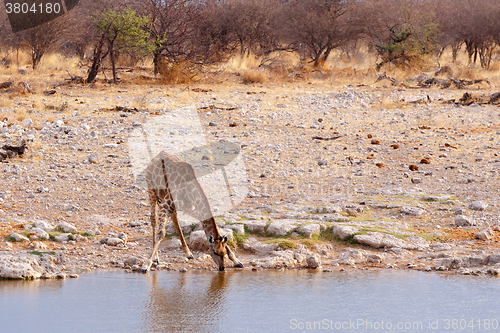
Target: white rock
{"points": [[413, 211], [259, 248], [310, 229], [174, 243], [27, 122], [19, 238], [62, 238], [256, 226], [378, 240], [79, 238], [114, 241], [464, 221], [478, 205], [374, 258], [67, 227], [59, 123], [136, 223], [313, 261], [198, 241], [20, 266], [335, 217], [38, 233], [485, 234], [93, 158], [281, 228], [131, 261], [344, 231], [239, 228]]}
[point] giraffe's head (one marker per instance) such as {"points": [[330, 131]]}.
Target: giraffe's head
{"points": [[218, 250]]}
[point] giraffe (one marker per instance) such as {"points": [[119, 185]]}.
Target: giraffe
{"points": [[172, 185]]}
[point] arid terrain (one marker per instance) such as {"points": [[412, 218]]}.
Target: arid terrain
{"points": [[340, 176]]}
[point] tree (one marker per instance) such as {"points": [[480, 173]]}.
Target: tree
{"points": [[121, 31], [399, 30], [251, 23], [318, 27]]}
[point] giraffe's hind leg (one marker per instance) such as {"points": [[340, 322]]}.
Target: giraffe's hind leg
{"points": [[185, 248], [233, 258]]}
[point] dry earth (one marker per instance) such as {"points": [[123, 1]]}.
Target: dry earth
{"points": [[407, 178]]}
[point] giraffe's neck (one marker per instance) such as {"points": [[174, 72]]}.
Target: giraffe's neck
{"points": [[211, 228]]}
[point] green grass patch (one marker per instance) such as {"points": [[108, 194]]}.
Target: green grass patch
{"points": [[10, 238], [39, 253], [239, 239], [287, 244]]}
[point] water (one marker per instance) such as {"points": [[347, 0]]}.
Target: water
{"points": [[245, 301]]}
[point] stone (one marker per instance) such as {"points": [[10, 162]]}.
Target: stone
{"points": [[38, 246], [93, 158], [328, 209], [412, 211], [432, 198], [256, 226], [239, 228], [374, 258], [19, 238], [174, 243], [137, 223], [485, 234], [416, 180], [313, 261], [38, 233], [78, 238], [59, 123], [280, 228], [259, 248], [62, 237], [493, 259], [20, 266], [464, 221], [67, 227], [344, 231], [378, 240], [183, 269], [131, 261], [335, 217], [478, 205], [190, 226], [114, 241], [27, 122], [310, 229], [42, 189], [198, 241]]}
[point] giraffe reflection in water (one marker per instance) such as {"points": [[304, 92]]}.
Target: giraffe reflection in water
{"points": [[189, 304]]}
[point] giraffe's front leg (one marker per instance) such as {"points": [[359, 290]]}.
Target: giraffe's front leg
{"points": [[185, 248], [232, 256]]}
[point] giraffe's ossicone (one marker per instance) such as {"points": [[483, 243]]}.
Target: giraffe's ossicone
{"points": [[172, 186]]}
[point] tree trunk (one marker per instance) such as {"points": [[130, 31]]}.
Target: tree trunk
{"points": [[156, 62], [96, 62], [112, 55]]}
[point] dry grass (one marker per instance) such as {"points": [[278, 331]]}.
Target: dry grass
{"points": [[179, 73], [254, 76], [20, 114]]}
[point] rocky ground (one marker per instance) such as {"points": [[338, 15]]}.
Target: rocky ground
{"points": [[340, 177]]}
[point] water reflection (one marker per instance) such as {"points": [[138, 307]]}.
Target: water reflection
{"points": [[186, 302]]}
